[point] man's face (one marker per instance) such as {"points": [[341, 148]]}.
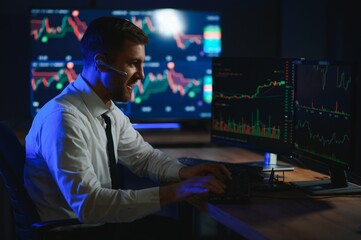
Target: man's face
{"points": [[129, 60]]}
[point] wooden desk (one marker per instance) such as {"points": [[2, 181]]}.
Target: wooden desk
{"points": [[176, 137], [287, 214]]}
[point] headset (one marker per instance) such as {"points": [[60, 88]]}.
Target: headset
{"points": [[101, 63]]}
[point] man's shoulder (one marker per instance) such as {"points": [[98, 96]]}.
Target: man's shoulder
{"points": [[60, 105]]}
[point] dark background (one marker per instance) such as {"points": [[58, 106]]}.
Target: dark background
{"points": [[313, 29]]}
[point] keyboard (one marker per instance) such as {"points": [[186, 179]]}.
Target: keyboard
{"points": [[238, 188], [254, 172], [237, 191]]}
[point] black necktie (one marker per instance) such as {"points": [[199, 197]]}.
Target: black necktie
{"points": [[110, 149]]}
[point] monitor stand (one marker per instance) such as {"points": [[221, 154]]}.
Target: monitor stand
{"points": [[269, 163], [337, 184], [326, 187]]}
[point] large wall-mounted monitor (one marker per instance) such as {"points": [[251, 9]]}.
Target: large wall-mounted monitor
{"points": [[324, 122], [252, 105], [178, 70]]}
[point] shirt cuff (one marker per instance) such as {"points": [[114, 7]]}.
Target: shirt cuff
{"points": [[173, 171], [149, 196]]}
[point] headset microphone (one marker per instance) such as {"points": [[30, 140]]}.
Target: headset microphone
{"points": [[101, 63]]}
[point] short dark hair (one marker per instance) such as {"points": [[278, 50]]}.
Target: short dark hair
{"points": [[107, 35]]}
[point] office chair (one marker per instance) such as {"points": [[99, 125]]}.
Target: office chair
{"points": [[28, 224]]}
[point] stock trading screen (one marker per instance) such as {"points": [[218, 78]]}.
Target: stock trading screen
{"points": [[253, 103], [323, 110], [177, 67]]}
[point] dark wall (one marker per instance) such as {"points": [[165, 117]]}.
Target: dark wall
{"points": [[318, 29], [326, 30]]}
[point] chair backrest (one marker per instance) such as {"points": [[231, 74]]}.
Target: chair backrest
{"points": [[12, 159]]}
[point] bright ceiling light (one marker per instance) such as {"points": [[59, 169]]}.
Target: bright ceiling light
{"points": [[169, 22]]}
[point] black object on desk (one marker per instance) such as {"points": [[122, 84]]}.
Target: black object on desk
{"points": [[237, 191], [238, 188], [254, 172]]}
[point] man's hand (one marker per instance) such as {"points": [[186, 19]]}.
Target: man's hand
{"points": [[193, 186], [196, 180]]}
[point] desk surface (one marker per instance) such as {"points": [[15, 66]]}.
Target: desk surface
{"points": [[290, 214]]}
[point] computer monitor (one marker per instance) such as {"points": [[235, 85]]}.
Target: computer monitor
{"points": [[178, 81], [324, 122], [252, 106]]}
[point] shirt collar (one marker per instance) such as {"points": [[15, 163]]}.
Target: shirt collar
{"points": [[93, 102]]}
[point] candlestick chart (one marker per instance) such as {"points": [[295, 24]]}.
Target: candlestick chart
{"points": [[252, 102], [177, 66], [323, 110]]}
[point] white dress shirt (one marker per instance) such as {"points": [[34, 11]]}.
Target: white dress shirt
{"points": [[66, 168]]}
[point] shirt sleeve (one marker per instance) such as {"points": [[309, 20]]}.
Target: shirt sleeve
{"points": [[142, 158], [64, 143]]}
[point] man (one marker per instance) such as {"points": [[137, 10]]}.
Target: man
{"points": [[66, 169]]}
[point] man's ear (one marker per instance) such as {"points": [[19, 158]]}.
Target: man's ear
{"points": [[100, 62]]}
